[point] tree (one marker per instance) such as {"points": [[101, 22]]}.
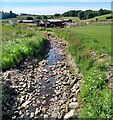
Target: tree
{"points": [[45, 17], [39, 17], [6, 15], [81, 15], [101, 12], [29, 18], [57, 15]]}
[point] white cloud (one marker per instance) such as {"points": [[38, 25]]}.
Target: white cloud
{"points": [[43, 10], [38, 10]]}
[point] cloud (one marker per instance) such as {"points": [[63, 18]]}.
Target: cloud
{"points": [[43, 10], [39, 10]]}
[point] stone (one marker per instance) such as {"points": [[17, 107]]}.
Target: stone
{"points": [[46, 116], [74, 99], [43, 97], [43, 102], [73, 105], [14, 117], [47, 81], [44, 110], [37, 111], [22, 99], [77, 91], [58, 93], [32, 115], [24, 85], [70, 114], [25, 104]]}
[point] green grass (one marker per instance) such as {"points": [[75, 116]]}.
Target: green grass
{"points": [[86, 44], [19, 42], [101, 18]]}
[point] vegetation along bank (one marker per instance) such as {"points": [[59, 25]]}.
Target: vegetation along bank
{"points": [[90, 47], [19, 42]]}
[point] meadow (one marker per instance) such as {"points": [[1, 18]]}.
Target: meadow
{"points": [[101, 18], [90, 47], [19, 42]]}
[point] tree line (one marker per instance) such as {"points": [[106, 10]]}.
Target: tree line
{"points": [[86, 14], [5, 15]]}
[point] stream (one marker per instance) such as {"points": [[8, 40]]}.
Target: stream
{"points": [[42, 89]]}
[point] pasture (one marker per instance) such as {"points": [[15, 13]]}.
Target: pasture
{"points": [[90, 47], [101, 18]]}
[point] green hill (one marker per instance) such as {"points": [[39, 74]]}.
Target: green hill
{"points": [[101, 18]]}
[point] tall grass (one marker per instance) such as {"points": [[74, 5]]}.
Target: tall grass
{"points": [[86, 44], [18, 43]]}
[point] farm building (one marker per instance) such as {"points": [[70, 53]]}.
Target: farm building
{"points": [[67, 20], [27, 21], [52, 23]]}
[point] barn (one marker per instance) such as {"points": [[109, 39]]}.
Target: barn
{"points": [[52, 23], [27, 21]]}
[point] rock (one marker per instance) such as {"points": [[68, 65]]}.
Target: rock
{"points": [[22, 99], [74, 99], [14, 118], [47, 81], [24, 85], [58, 93], [32, 115], [44, 110], [46, 116], [26, 103], [43, 97], [37, 111], [70, 114], [43, 102], [73, 105], [77, 91]]}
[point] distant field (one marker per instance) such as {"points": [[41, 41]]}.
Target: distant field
{"points": [[86, 44], [100, 33], [101, 18]]}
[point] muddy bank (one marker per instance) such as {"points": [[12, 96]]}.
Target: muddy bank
{"points": [[42, 88]]}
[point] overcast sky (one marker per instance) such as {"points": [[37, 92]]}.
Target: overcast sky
{"points": [[47, 7]]}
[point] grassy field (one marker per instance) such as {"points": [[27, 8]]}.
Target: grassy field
{"points": [[101, 18], [88, 45], [19, 42]]}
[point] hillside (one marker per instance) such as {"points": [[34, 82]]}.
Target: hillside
{"points": [[102, 17]]}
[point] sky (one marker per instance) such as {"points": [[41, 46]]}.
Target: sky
{"points": [[47, 7]]}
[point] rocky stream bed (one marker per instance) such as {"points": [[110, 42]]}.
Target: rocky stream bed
{"points": [[42, 89]]}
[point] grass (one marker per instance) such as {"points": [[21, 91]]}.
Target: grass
{"points": [[19, 42], [86, 44], [101, 18]]}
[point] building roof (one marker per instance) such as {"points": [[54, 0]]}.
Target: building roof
{"points": [[29, 21], [53, 20]]}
